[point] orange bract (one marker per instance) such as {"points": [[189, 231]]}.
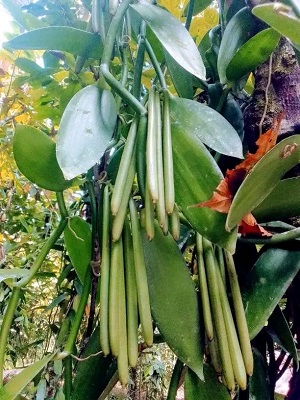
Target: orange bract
{"points": [[223, 195]]}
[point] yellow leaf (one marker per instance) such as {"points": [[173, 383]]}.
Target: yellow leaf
{"points": [[61, 75], [203, 22], [175, 7]]}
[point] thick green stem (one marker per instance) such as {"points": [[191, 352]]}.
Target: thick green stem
{"points": [[49, 243], [79, 313], [107, 53], [189, 14], [156, 65], [6, 324], [223, 98], [94, 214], [139, 63], [67, 377], [275, 239]]}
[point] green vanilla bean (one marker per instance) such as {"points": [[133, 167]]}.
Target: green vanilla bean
{"points": [[141, 276], [233, 342], [131, 298], [104, 270], [141, 155], [160, 206], [123, 352], [174, 223], [151, 150], [221, 262], [208, 324], [6, 324], [118, 222], [114, 296], [168, 156], [149, 215], [125, 162], [240, 317], [217, 314]]}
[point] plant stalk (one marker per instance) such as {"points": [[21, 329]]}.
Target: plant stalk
{"points": [[6, 324]]}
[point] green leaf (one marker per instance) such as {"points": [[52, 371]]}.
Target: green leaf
{"points": [[34, 153], [277, 207], [210, 388], [29, 66], [78, 239], [267, 282], [263, 178], [85, 130], [205, 124], [182, 79], [199, 6], [280, 17], [55, 302], [172, 296], [15, 386], [14, 273], [94, 375], [61, 38], [196, 177], [240, 28], [279, 329], [174, 37], [259, 382], [253, 53]]}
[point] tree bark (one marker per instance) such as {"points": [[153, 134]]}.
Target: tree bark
{"points": [[276, 91]]}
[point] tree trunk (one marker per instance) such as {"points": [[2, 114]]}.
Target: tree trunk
{"points": [[277, 91]]}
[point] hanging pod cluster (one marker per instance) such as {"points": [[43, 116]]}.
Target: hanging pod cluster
{"points": [[124, 296], [228, 341], [148, 154]]}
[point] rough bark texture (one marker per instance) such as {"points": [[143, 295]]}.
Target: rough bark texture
{"points": [[277, 90]]}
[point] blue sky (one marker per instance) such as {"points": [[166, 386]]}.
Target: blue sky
{"points": [[4, 23]]}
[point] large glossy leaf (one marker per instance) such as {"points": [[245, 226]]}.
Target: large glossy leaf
{"points": [[173, 300], [279, 329], [210, 388], [78, 240], [254, 52], [280, 17], [173, 36], [93, 375], [259, 382], [62, 38], [85, 130], [15, 386], [276, 206], [34, 153], [182, 79], [196, 177], [267, 282], [205, 124], [240, 28], [263, 178]]}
